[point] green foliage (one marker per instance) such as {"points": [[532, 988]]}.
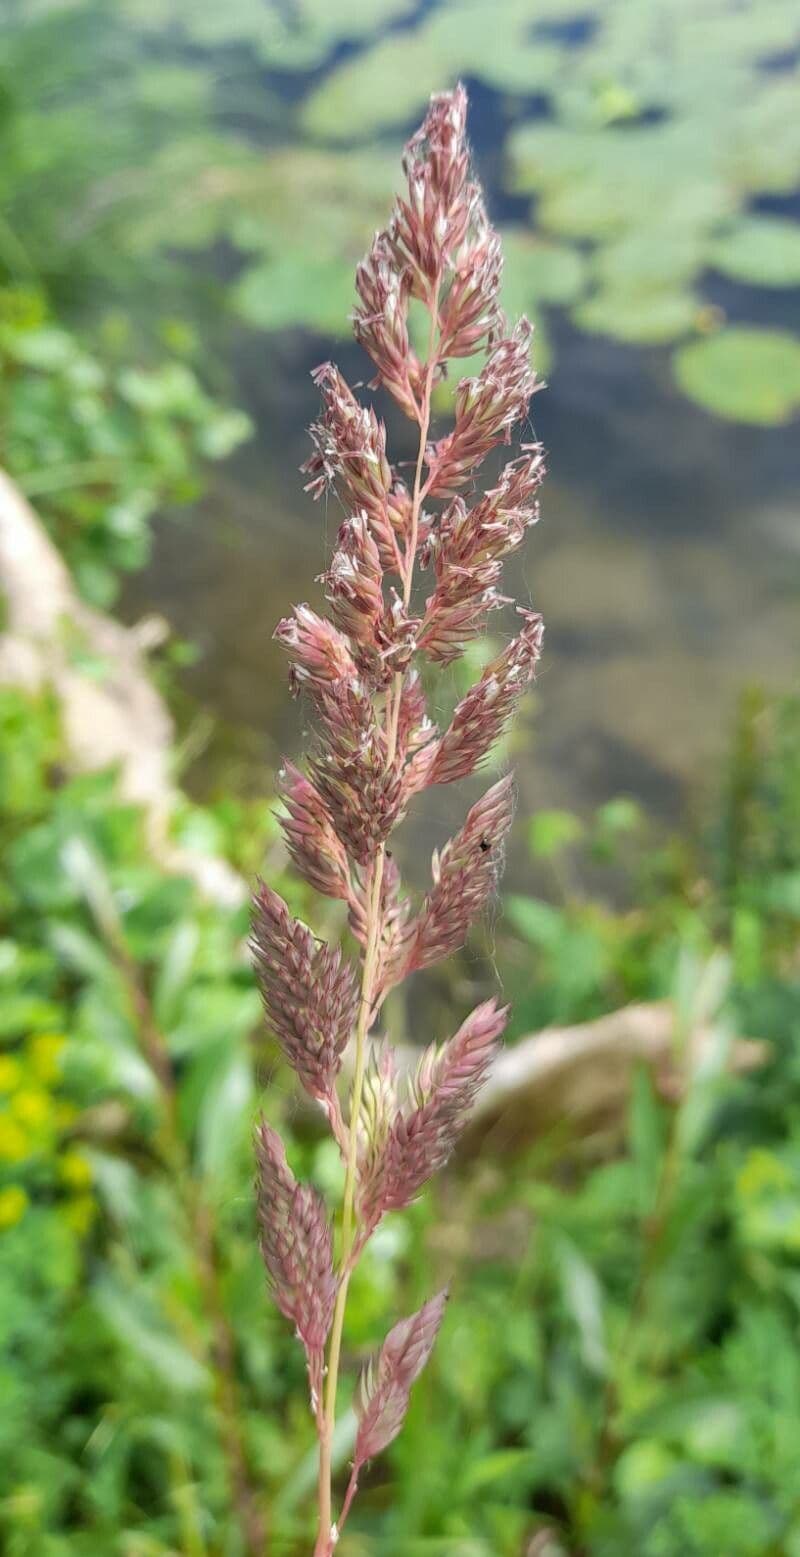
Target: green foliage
{"points": [[619, 1364], [103, 420], [110, 1414], [763, 250], [746, 375], [100, 439], [653, 167]]}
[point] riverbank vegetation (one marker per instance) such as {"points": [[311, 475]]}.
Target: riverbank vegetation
{"points": [[619, 1368], [619, 1363]]}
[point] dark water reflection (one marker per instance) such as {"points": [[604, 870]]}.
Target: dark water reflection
{"points": [[667, 565]]}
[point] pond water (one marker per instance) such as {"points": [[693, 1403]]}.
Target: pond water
{"points": [[666, 563]]}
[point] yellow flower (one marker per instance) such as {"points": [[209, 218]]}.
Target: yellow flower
{"points": [[762, 1171], [32, 1108], [13, 1205], [13, 1140], [45, 1052], [75, 1170], [10, 1073], [79, 1214]]}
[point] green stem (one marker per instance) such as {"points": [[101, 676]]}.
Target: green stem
{"points": [[323, 1546]]}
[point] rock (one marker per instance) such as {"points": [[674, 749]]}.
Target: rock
{"points": [[113, 718], [580, 1076]]}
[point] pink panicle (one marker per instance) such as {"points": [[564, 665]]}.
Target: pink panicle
{"points": [[380, 325], [350, 455], [430, 223], [316, 851], [467, 551], [464, 877], [486, 409], [385, 1385], [470, 313], [395, 908], [296, 1244], [319, 653], [363, 791], [403, 1148], [486, 711], [365, 663], [354, 582], [310, 993]]}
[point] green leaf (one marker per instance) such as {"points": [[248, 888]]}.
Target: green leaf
{"points": [[641, 318], [82, 952], [175, 972], [298, 288], [583, 1299], [762, 249], [389, 84], [782, 893], [498, 1466], [743, 374], [642, 1468], [647, 1136], [85, 868], [223, 433], [537, 270], [212, 1013], [621, 815], [655, 258], [134, 1318], [224, 1113]]}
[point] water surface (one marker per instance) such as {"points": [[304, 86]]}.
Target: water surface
{"points": [[666, 564]]}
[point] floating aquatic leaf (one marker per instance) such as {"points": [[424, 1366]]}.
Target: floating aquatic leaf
{"points": [[642, 318], [660, 256], [297, 289], [762, 149], [293, 37], [538, 271], [387, 85], [266, 204], [746, 375], [761, 249], [641, 171], [584, 206]]}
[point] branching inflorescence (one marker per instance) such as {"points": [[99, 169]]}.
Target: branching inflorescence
{"points": [[375, 748]]}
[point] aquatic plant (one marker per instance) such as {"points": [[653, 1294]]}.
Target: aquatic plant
{"points": [[375, 748]]}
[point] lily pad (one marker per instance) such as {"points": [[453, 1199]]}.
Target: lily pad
{"points": [[761, 249], [389, 85], [537, 270], [762, 150], [289, 38], [372, 92], [297, 288], [743, 374], [293, 199], [656, 257], [648, 318]]}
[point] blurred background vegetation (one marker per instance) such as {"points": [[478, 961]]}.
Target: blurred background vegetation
{"points": [[185, 189]]}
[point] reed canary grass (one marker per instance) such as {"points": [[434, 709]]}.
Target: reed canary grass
{"points": [[375, 748]]}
